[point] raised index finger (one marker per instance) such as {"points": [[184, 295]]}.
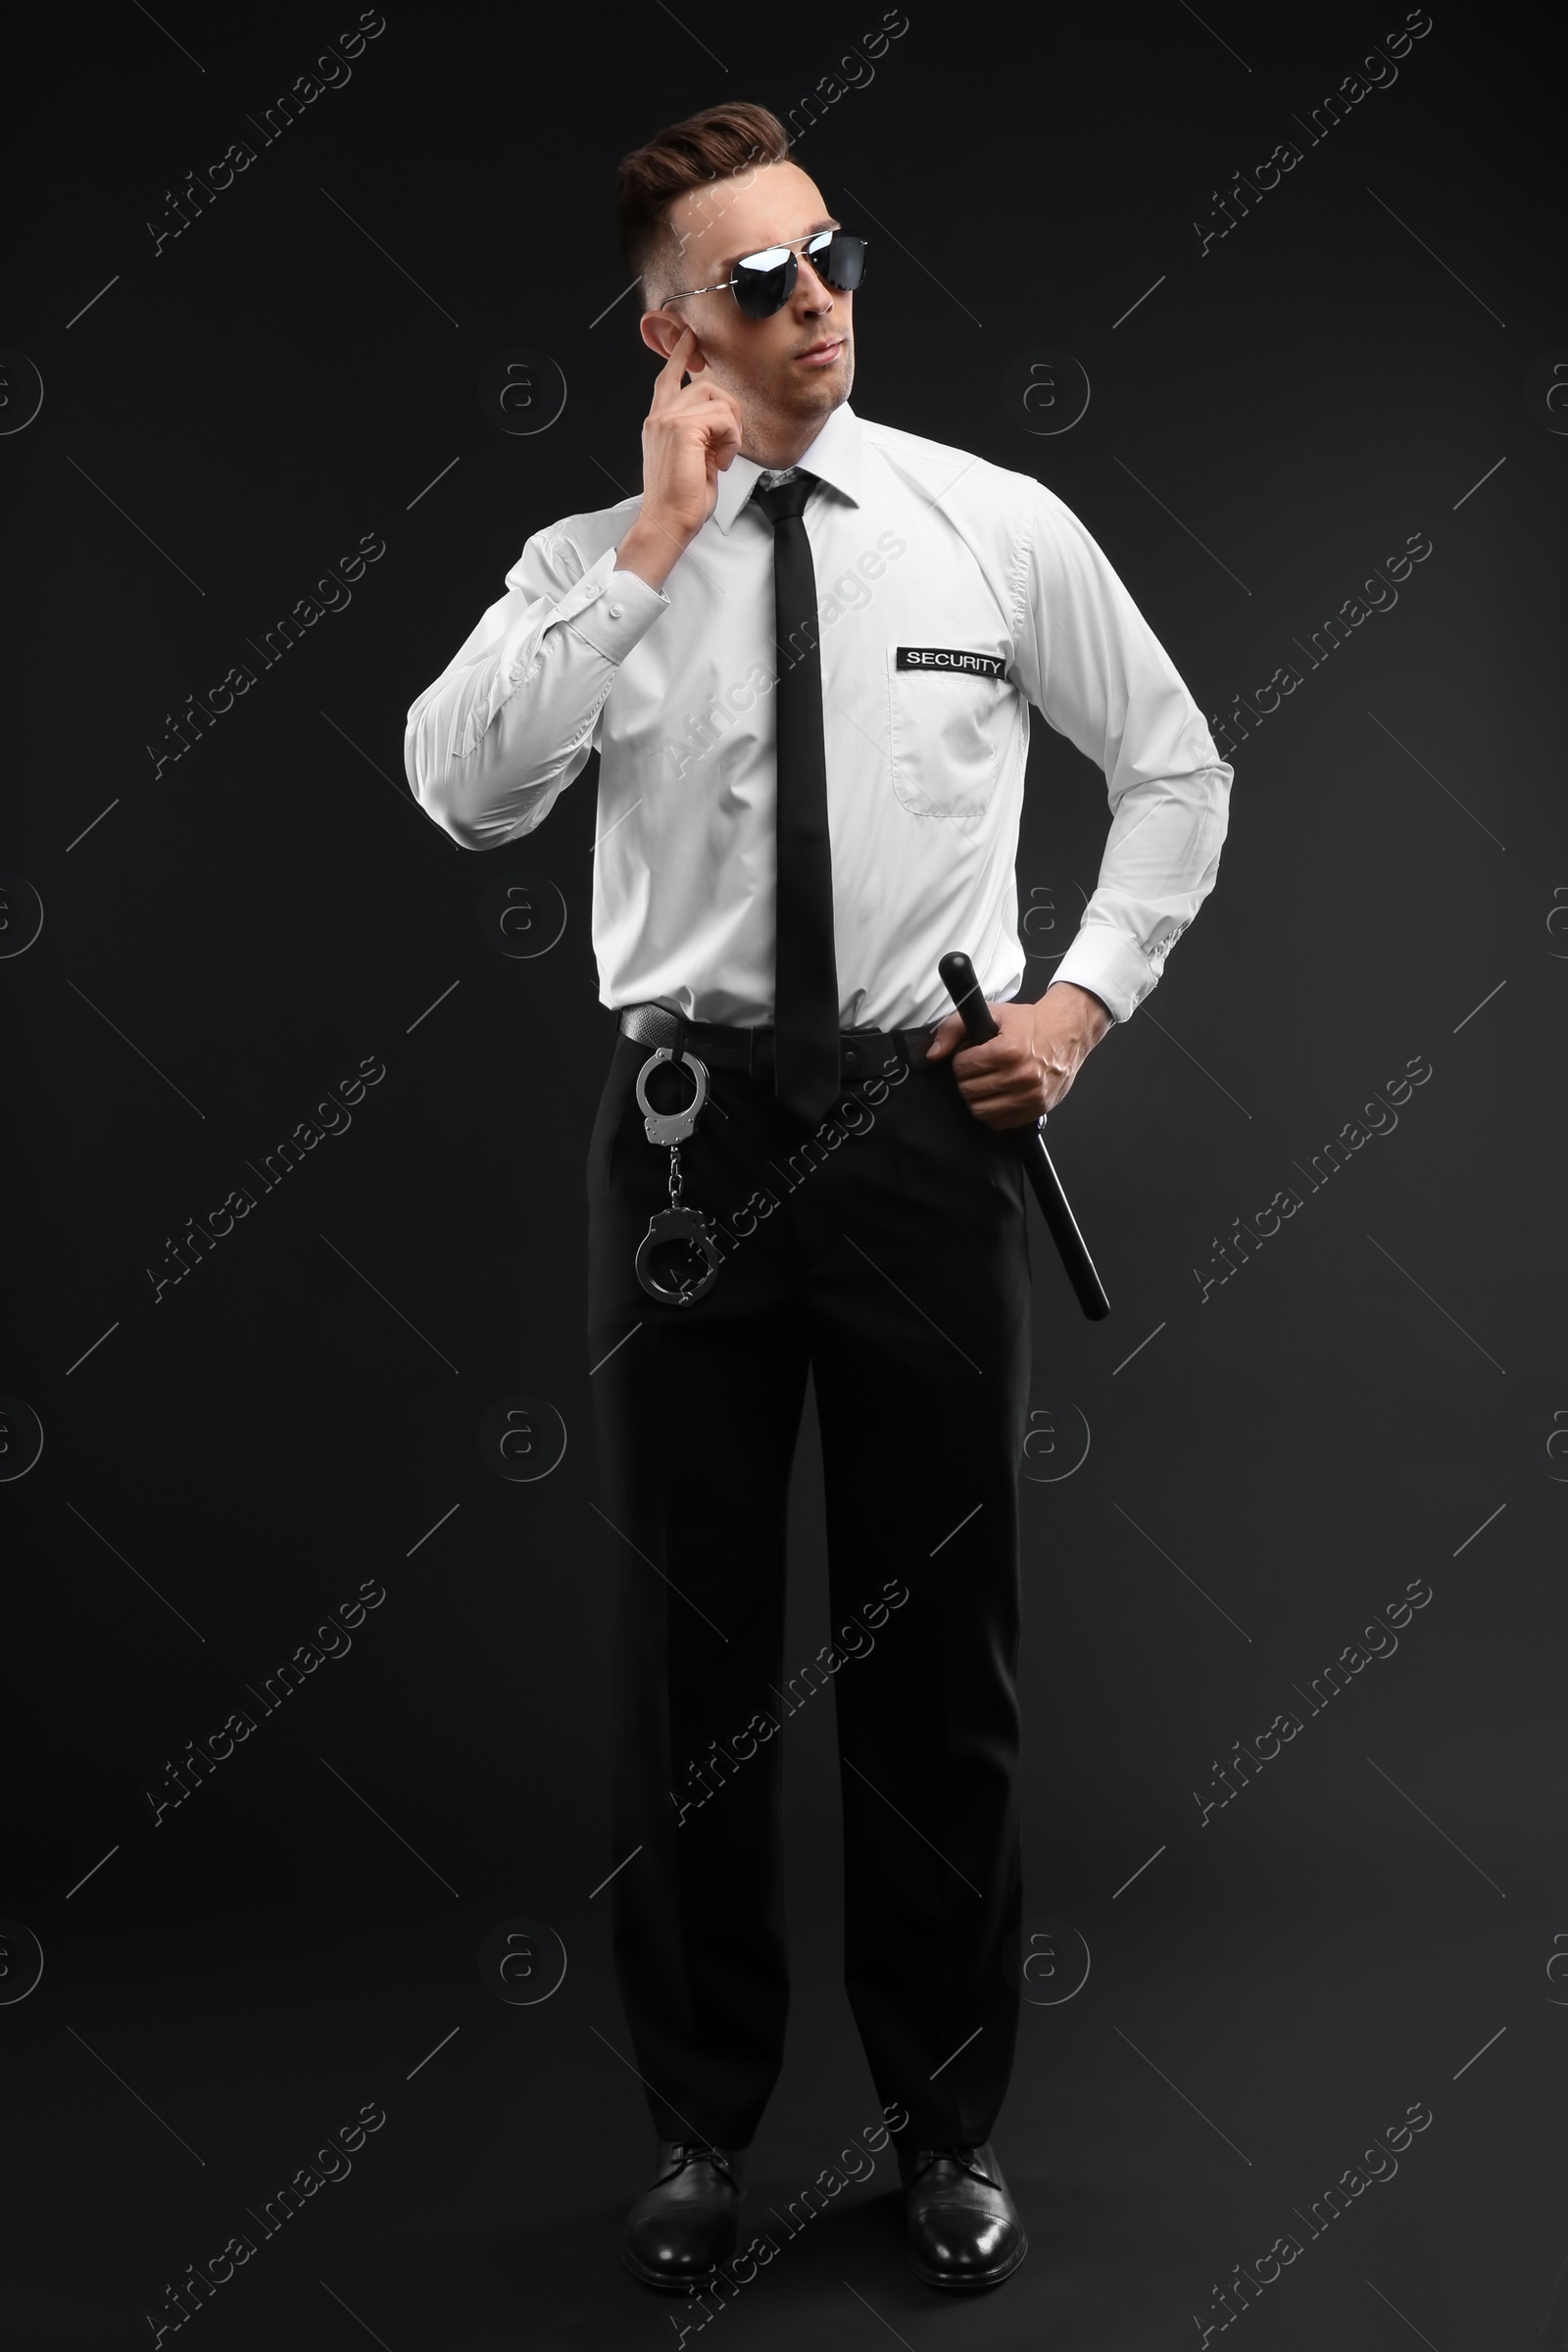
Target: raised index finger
{"points": [[668, 378]]}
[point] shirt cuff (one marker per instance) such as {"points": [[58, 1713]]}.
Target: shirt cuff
{"points": [[611, 609], [1111, 965]]}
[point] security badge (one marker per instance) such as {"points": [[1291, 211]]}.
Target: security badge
{"points": [[950, 658], [677, 1237]]}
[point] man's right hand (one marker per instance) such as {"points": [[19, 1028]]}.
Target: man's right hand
{"points": [[692, 433]]}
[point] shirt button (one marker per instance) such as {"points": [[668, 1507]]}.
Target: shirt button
{"points": [[614, 611]]}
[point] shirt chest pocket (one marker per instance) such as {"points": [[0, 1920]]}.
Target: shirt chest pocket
{"points": [[950, 711]]}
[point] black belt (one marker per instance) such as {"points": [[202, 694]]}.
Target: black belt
{"points": [[863, 1052]]}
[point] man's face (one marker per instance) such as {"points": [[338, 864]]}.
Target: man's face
{"points": [[799, 363]]}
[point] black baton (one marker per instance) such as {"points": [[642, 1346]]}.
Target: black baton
{"points": [[958, 979]]}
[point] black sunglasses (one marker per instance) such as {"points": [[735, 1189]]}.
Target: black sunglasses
{"points": [[764, 282]]}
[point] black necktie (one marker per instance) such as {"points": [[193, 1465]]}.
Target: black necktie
{"points": [[806, 997]]}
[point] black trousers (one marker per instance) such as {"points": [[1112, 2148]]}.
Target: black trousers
{"points": [[889, 1251]]}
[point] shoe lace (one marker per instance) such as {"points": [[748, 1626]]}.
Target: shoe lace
{"points": [[963, 2157], [692, 2151]]}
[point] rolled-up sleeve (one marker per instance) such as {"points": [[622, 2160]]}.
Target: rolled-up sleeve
{"points": [[511, 721], [1095, 672]]}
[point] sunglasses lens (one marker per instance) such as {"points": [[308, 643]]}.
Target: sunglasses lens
{"points": [[840, 260], [764, 281]]}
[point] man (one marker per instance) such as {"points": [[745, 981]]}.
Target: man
{"points": [[805, 656]]}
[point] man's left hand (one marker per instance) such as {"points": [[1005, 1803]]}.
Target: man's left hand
{"points": [[1027, 1070]]}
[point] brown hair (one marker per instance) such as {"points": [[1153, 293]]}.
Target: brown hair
{"points": [[719, 143]]}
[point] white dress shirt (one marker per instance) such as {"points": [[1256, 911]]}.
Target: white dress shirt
{"points": [[952, 595]]}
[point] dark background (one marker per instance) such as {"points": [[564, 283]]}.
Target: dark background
{"points": [[1366, 1403]]}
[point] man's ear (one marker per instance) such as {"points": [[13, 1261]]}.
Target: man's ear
{"points": [[662, 331], [659, 331]]}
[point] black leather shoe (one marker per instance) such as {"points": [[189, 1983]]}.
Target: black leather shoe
{"points": [[963, 2230], [684, 2224]]}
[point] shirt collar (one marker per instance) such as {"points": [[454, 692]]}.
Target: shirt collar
{"points": [[834, 457]]}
